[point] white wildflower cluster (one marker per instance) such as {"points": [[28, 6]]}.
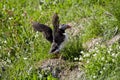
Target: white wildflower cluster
{"points": [[80, 58], [94, 77], [113, 52], [103, 58], [4, 41], [75, 58], [86, 55], [104, 68], [101, 55], [109, 49], [82, 52], [101, 72], [25, 58], [94, 54], [87, 61], [36, 35], [10, 18]]}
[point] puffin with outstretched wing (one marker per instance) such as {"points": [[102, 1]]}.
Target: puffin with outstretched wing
{"points": [[57, 36]]}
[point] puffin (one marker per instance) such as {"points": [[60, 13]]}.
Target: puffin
{"points": [[56, 36]]}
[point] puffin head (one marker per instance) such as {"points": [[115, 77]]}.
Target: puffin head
{"points": [[64, 27]]}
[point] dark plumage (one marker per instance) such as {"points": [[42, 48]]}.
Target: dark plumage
{"points": [[47, 31], [59, 39], [56, 37]]}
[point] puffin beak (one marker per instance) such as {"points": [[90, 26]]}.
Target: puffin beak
{"points": [[68, 26]]}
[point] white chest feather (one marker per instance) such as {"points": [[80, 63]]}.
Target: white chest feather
{"points": [[64, 42]]}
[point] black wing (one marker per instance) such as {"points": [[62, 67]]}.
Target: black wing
{"points": [[55, 22], [47, 31], [58, 36]]}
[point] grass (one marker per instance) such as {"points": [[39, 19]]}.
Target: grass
{"points": [[21, 47], [102, 62]]}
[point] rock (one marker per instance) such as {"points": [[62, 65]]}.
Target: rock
{"points": [[92, 43], [113, 40]]}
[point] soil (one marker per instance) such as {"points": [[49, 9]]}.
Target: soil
{"points": [[61, 69]]}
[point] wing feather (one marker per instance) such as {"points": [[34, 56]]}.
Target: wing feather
{"points": [[47, 31], [55, 21]]}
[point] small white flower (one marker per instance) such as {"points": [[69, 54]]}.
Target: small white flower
{"points": [[87, 55], [94, 55], [94, 77], [8, 60], [40, 76], [9, 27], [108, 51], [101, 72], [113, 60], [82, 52], [25, 58], [5, 41], [88, 61], [79, 69], [10, 18], [102, 58], [80, 59], [22, 15], [113, 54], [9, 53], [83, 55], [104, 68], [75, 58], [97, 43], [106, 61], [13, 9], [36, 35]]}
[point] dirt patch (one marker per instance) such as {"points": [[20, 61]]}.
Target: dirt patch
{"points": [[61, 69], [92, 43], [113, 40]]}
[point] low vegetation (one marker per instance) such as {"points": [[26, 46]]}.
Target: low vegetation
{"points": [[21, 48]]}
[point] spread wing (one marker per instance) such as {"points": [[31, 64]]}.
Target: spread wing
{"points": [[55, 22], [47, 31]]}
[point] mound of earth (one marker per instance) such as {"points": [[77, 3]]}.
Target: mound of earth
{"points": [[61, 69]]}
